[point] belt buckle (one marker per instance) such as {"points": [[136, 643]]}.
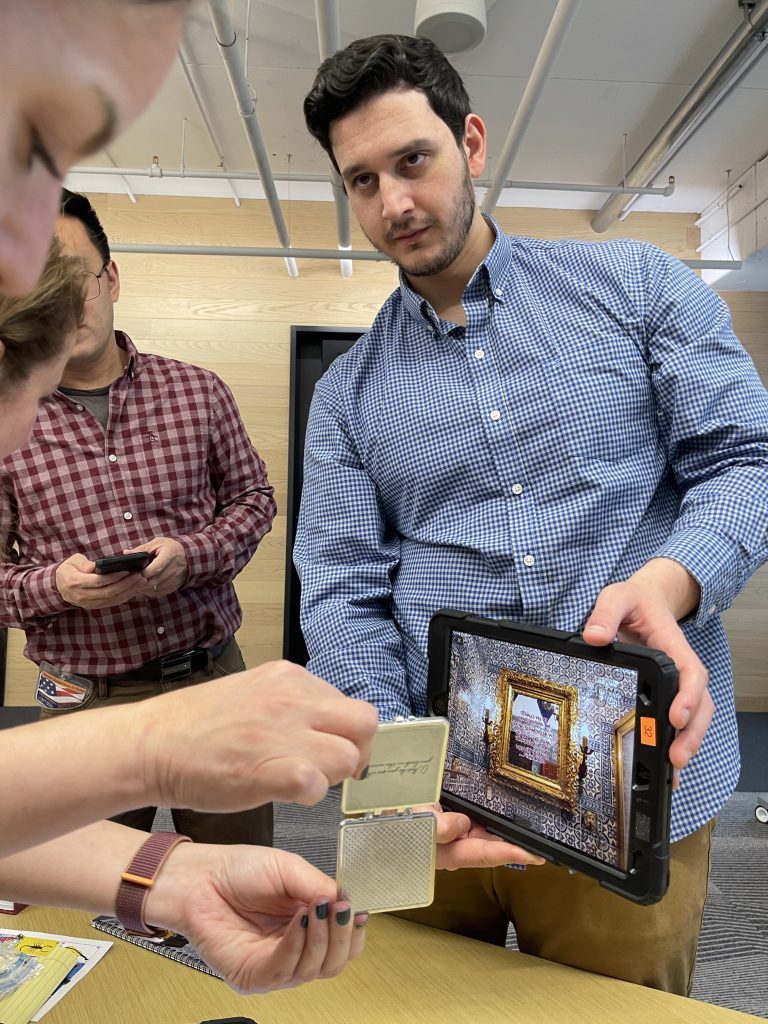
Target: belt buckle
{"points": [[176, 666]]}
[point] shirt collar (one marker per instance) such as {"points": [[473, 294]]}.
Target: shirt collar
{"points": [[492, 274], [134, 359]]}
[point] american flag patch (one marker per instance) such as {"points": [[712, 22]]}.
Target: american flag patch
{"points": [[54, 692]]}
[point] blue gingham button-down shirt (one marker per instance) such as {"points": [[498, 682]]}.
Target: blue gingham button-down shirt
{"points": [[595, 412]]}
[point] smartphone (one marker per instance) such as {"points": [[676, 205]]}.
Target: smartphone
{"points": [[558, 746], [123, 563]]}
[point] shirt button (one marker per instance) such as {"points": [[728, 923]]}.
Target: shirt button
{"points": [[712, 609], [127, 515], [497, 292], [529, 560], [517, 488], [161, 630], [479, 353], [79, 408], [113, 458], [495, 414]]}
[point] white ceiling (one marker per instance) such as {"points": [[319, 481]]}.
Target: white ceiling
{"points": [[622, 69]]}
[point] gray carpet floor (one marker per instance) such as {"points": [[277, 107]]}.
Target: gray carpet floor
{"points": [[732, 965]]}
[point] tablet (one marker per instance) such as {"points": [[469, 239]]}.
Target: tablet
{"points": [[558, 746]]}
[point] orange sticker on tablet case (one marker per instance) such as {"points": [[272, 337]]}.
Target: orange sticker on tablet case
{"points": [[648, 731]]}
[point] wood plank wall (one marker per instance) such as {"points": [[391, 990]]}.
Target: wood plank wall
{"points": [[233, 315]]}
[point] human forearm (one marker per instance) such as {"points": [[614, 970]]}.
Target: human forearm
{"points": [[261, 918], [65, 773], [29, 594], [270, 733], [243, 498], [54, 873], [217, 553]]}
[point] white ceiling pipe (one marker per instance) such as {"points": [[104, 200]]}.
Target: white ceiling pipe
{"points": [[556, 32], [719, 203], [730, 226], [368, 255], [345, 265], [128, 189], [227, 41], [233, 250], [328, 27], [329, 41], [730, 190], [744, 47], [186, 66], [156, 171]]}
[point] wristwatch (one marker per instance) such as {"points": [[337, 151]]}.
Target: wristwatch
{"points": [[139, 877]]}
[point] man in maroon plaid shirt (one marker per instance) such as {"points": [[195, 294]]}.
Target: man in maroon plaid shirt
{"points": [[134, 452]]}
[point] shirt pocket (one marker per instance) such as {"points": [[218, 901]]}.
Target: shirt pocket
{"points": [[606, 403]]}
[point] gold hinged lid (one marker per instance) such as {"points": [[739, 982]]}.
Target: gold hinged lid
{"points": [[405, 770]]}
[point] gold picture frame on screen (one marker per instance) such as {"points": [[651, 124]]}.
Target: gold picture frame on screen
{"points": [[531, 743], [623, 737]]}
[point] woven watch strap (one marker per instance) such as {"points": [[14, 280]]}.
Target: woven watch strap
{"points": [[139, 877]]}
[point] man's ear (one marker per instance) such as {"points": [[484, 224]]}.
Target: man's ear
{"points": [[474, 144], [114, 281]]}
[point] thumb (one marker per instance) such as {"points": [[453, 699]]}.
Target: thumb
{"points": [[451, 826], [293, 780], [80, 562], [302, 880], [602, 626]]}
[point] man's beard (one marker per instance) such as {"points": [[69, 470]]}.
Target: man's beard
{"points": [[463, 215]]}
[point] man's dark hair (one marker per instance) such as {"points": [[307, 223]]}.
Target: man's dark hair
{"points": [[369, 67], [75, 205]]}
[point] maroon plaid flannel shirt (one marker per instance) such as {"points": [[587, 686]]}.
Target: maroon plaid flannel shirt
{"points": [[175, 461]]}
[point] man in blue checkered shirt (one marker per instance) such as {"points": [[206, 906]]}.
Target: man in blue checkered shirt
{"points": [[562, 433]]}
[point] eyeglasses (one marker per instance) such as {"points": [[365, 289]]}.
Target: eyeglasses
{"points": [[93, 283]]}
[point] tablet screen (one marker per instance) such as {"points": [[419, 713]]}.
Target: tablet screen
{"points": [[545, 740]]}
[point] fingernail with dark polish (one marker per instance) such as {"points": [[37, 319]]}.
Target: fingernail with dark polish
{"points": [[322, 911], [304, 921], [364, 773], [361, 920], [343, 916]]}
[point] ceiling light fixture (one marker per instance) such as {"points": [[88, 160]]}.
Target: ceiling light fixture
{"points": [[455, 26]]}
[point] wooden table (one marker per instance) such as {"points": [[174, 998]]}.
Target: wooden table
{"points": [[408, 974]]}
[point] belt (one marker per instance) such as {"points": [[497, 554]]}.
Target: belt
{"points": [[171, 667]]}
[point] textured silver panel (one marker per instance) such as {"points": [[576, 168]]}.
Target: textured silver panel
{"points": [[387, 863]]}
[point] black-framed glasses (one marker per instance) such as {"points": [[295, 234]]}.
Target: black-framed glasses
{"points": [[93, 283]]}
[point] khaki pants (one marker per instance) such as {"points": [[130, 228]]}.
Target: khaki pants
{"points": [[572, 920], [254, 827]]}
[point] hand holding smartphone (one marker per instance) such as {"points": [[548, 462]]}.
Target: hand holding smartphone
{"points": [[134, 562]]}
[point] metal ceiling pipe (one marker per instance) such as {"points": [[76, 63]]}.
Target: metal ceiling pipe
{"points": [[367, 255], [744, 47], [226, 37], [156, 171], [128, 189], [732, 224], [556, 32], [329, 41], [186, 66], [236, 250]]}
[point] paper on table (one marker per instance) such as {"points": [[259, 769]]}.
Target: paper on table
{"points": [[19, 1006], [87, 951]]}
